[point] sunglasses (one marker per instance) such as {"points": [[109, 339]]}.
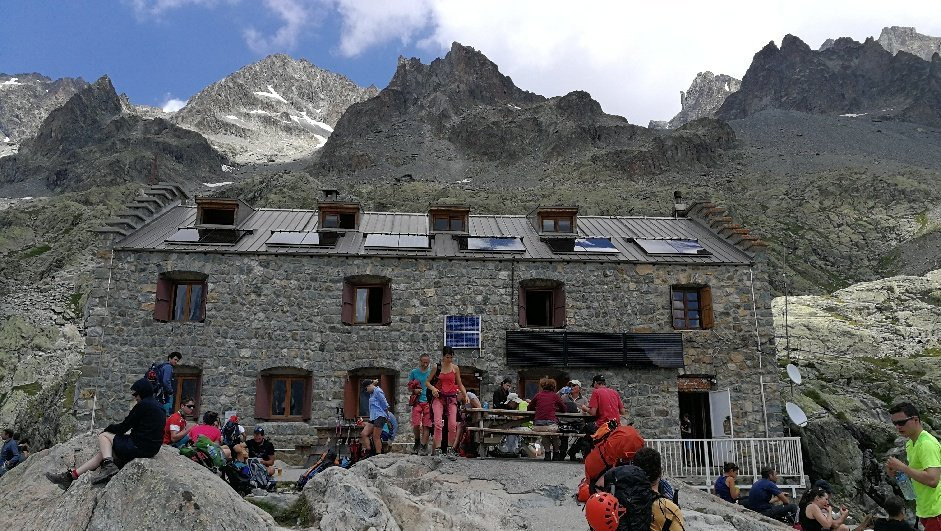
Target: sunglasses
{"points": [[902, 422], [189, 406]]}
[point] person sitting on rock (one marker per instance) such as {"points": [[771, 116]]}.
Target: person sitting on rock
{"points": [[145, 423], [261, 448], [759, 497], [209, 428], [176, 430], [815, 513], [10, 455], [371, 437], [895, 508], [725, 486]]}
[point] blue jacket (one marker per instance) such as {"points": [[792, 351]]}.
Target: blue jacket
{"points": [[378, 406], [10, 454], [165, 377]]}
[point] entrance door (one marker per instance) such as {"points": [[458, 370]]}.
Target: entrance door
{"points": [[696, 405], [720, 406]]}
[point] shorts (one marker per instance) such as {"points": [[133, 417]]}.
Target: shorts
{"points": [[379, 422], [125, 450], [931, 524], [421, 414]]}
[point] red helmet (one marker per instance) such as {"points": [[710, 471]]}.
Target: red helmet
{"points": [[603, 512]]}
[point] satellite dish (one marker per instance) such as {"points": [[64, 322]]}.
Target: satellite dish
{"points": [[794, 373], [796, 414]]}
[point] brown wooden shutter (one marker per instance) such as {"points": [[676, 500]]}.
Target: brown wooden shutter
{"points": [[705, 307], [387, 382], [387, 303], [308, 392], [522, 306], [262, 397], [205, 297], [558, 310], [162, 304], [346, 313], [350, 395]]}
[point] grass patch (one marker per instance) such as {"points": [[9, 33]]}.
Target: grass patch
{"points": [[932, 352], [297, 515], [30, 389], [35, 251], [75, 305], [890, 364]]}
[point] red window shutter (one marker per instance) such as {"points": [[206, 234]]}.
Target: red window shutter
{"points": [[308, 392], [202, 310], [705, 307], [387, 384], [558, 310], [387, 303], [346, 314], [349, 397], [522, 306], [162, 304], [262, 397]]}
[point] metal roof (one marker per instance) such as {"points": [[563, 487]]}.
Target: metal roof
{"points": [[260, 224]]}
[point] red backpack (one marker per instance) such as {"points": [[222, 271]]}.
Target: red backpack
{"points": [[613, 446]]}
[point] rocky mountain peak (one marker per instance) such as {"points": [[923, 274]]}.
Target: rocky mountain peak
{"points": [[705, 95], [900, 38], [278, 108], [68, 126], [792, 44], [26, 100]]}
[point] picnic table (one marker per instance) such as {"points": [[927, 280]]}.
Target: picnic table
{"points": [[485, 418]]}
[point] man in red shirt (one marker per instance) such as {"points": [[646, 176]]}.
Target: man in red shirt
{"points": [[176, 431], [605, 404]]}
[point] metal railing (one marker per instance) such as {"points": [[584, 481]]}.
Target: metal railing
{"points": [[700, 461]]}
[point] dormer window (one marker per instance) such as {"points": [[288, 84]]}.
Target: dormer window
{"points": [[343, 216], [557, 220], [220, 212], [448, 218]]}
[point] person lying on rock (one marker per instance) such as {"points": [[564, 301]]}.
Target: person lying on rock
{"points": [[145, 423]]}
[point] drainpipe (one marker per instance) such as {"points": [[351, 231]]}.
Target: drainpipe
{"points": [[761, 376]]}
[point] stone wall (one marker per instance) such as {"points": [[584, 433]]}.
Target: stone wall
{"points": [[267, 311]]}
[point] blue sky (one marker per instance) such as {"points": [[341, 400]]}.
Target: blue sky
{"points": [[634, 57]]}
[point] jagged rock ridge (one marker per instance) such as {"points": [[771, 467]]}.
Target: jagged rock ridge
{"points": [[91, 141], [847, 78], [705, 95], [905, 39], [26, 100], [278, 108], [460, 118]]}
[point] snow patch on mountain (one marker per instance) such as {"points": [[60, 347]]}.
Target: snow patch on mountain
{"points": [[272, 93]]}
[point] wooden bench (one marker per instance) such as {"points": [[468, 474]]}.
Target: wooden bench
{"points": [[483, 416]]}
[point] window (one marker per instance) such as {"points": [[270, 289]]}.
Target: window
{"points": [[339, 215], [691, 307], [452, 222], [542, 304], [529, 380], [217, 216], [671, 246], [181, 296], [219, 211], [188, 385], [556, 224], [283, 394], [367, 301], [355, 399]]}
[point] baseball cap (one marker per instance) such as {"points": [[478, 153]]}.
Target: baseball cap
{"points": [[259, 429], [598, 378], [576, 383], [234, 418]]}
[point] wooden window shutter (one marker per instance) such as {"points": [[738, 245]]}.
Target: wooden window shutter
{"points": [[205, 296], [558, 302], [162, 304], [385, 382], [263, 397], [522, 306], [387, 303], [349, 397], [705, 307], [308, 392], [346, 314]]}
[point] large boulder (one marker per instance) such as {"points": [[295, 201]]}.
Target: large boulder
{"points": [[166, 492]]}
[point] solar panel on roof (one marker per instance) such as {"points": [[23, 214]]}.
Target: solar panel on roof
{"points": [[185, 236], [462, 331], [397, 241], [407, 241], [302, 238], [594, 245], [285, 238], [193, 235], [688, 247], [672, 246], [479, 243]]}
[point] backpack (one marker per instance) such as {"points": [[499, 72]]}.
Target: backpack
{"points": [[611, 445], [237, 476], [434, 381], [153, 376], [231, 435], [631, 487], [258, 476], [327, 460], [211, 449], [390, 429]]}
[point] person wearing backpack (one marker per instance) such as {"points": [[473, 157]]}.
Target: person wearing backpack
{"points": [[418, 401], [446, 388], [161, 378], [10, 452]]}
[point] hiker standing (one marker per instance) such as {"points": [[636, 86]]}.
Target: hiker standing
{"points": [[924, 464], [176, 430], [163, 381], [378, 417], [605, 403], [446, 394], [145, 422], [10, 455], [421, 409]]}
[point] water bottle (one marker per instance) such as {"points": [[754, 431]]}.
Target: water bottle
{"points": [[905, 485], [486, 405]]}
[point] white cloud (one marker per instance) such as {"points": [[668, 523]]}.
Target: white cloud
{"points": [[294, 16], [172, 104], [632, 57], [145, 9]]}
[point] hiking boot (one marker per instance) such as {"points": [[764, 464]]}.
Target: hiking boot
{"points": [[423, 449], [451, 454], [62, 479], [106, 472], [416, 447]]}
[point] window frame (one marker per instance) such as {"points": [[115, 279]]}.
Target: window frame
{"points": [[351, 287], [188, 304], [556, 303], [449, 220], [342, 213], [703, 302], [556, 220], [165, 296], [289, 389], [264, 394], [182, 374]]}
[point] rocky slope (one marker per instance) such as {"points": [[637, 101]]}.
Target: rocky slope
{"points": [[90, 141], [276, 109], [460, 118], [705, 95], [847, 78], [904, 39], [861, 350], [26, 100]]}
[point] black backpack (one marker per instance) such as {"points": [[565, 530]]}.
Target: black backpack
{"points": [[434, 381], [630, 486], [153, 376], [231, 434]]}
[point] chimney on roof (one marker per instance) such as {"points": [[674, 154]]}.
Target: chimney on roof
{"points": [[680, 208], [330, 194]]}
